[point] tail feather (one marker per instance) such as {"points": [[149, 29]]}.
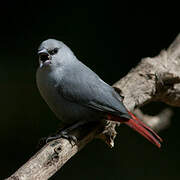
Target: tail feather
{"points": [[149, 135], [146, 127], [140, 127]]}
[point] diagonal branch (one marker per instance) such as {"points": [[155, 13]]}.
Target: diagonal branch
{"points": [[154, 79]]}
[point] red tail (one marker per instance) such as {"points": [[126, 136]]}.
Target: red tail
{"points": [[141, 128]]}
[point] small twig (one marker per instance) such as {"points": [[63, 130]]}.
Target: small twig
{"points": [[159, 122]]}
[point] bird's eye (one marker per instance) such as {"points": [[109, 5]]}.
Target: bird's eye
{"points": [[54, 51]]}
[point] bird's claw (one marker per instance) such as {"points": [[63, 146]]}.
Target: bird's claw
{"points": [[63, 134]]}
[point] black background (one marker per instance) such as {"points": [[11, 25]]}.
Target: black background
{"points": [[111, 39]]}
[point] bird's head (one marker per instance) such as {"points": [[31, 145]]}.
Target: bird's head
{"points": [[52, 52]]}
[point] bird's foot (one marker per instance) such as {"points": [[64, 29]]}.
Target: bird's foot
{"points": [[41, 143], [63, 134]]}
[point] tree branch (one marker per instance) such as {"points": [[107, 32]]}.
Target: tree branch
{"points": [[154, 79], [159, 122]]}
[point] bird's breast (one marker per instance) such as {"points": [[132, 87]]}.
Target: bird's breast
{"points": [[68, 112]]}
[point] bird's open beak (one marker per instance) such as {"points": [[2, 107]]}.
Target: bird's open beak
{"points": [[44, 57]]}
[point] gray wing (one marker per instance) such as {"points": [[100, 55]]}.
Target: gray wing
{"points": [[81, 85]]}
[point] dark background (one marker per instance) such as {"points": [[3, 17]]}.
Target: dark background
{"points": [[111, 39]]}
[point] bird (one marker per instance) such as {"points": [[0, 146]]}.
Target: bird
{"points": [[77, 95]]}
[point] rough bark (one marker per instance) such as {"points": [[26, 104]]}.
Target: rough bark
{"points": [[153, 79]]}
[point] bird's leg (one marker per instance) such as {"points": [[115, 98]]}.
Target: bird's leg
{"points": [[65, 133]]}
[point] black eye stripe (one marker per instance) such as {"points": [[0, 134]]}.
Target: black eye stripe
{"points": [[53, 51]]}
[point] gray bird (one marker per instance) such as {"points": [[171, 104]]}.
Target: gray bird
{"points": [[78, 95]]}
